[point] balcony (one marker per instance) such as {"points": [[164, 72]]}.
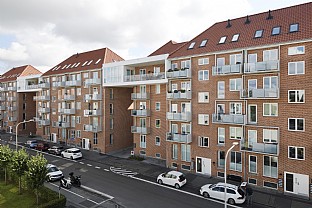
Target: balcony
{"points": [[144, 77], [227, 69], [92, 128], [73, 83], [42, 98], [141, 113], [1, 117], [177, 95], [32, 87], [44, 110], [63, 124], [177, 74], [44, 122], [94, 81], [44, 85], [260, 93], [12, 108], [12, 88], [2, 98], [92, 112], [93, 97], [58, 84], [258, 67], [181, 138], [140, 130], [67, 111], [69, 97], [2, 107], [183, 117], [12, 118], [228, 119], [11, 99], [3, 89], [263, 148], [140, 96]]}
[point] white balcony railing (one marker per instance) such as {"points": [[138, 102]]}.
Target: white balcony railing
{"points": [[2, 98], [94, 97], [58, 84], [181, 138], [266, 66], [43, 110], [179, 95], [228, 118], [94, 81], [42, 98], [73, 83], [2, 107], [12, 108], [142, 113], [63, 124], [12, 118], [144, 77], [44, 122], [264, 148], [140, 130], [227, 69], [179, 73], [44, 85], [140, 96], [92, 128], [69, 97], [11, 99], [260, 93], [92, 112], [12, 88], [67, 111], [184, 116]]}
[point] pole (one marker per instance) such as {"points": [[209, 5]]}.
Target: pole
{"points": [[225, 185], [16, 131]]}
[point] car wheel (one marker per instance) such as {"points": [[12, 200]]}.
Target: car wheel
{"points": [[62, 155], [71, 157], [231, 201], [160, 182], [177, 186], [206, 195]]}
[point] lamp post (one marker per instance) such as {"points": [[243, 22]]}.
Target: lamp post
{"points": [[225, 186], [16, 131]]}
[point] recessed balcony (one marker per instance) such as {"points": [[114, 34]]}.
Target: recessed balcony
{"points": [[260, 93], [183, 117], [179, 73], [44, 110], [12, 99], [12, 88], [94, 81], [140, 96], [93, 97], [228, 118], [69, 97], [12, 108], [92, 128], [140, 130], [144, 77], [73, 83], [63, 124], [58, 84], [42, 98], [67, 111], [12, 118], [227, 69], [141, 113], [258, 67], [2, 107], [181, 138], [92, 112], [263, 148], [44, 85], [3, 89], [2, 98], [179, 95], [44, 122]]}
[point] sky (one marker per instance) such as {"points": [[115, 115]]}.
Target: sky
{"points": [[43, 33]]}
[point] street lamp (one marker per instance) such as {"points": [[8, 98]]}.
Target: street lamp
{"points": [[16, 130], [225, 185]]}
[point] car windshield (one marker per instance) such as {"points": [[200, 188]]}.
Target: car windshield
{"points": [[182, 177], [76, 151], [53, 169]]}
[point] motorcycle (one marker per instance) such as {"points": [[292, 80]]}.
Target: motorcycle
{"points": [[75, 180], [65, 183]]}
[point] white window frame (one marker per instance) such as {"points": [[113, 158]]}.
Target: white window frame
{"points": [[235, 37], [237, 166], [201, 141], [156, 123], [157, 104], [272, 55], [271, 175], [222, 40], [294, 50], [185, 64], [201, 75], [221, 135], [202, 97], [270, 78], [157, 89], [142, 141], [250, 171], [236, 58], [157, 143], [296, 126], [203, 119], [219, 159], [221, 92], [296, 153], [237, 84], [186, 152], [249, 114], [203, 61], [270, 106], [296, 67], [236, 133], [238, 108], [175, 151], [297, 93], [270, 136]]}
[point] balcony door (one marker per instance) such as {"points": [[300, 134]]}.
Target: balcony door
{"points": [[185, 128], [252, 138], [185, 107], [174, 128]]}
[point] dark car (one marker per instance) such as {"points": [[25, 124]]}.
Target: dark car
{"points": [[42, 146], [31, 143], [55, 150]]}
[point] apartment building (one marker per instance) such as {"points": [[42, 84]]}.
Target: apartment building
{"points": [[250, 80], [74, 109], [16, 103]]}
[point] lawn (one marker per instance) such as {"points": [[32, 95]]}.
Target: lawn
{"points": [[9, 197]]}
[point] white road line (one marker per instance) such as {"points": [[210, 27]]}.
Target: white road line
{"points": [[96, 191], [97, 167], [93, 201], [185, 192], [68, 191], [106, 170], [89, 165], [104, 201], [81, 163]]}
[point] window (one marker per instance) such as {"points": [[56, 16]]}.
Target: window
{"points": [[294, 27], [78, 105], [174, 66], [252, 164], [236, 161], [270, 109], [157, 106], [270, 82], [185, 167], [157, 155], [252, 181], [270, 135], [78, 134], [203, 141], [258, 33], [235, 59], [296, 50], [111, 94], [222, 39], [143, 141], [236, 133], [111, 123], [175, 151], [221, 89], [236, 84], [174, 165], [111, 139], [203, 97], [295, 124], [269, 185], [186, 86], [235, 37], [78, 91], [221, 135], [221, 159], [185, 64], [186, 152], [85, 75], [276, 30], [270, 55], [270, 166], [203, 75], [157, 140], [296, 68], [236, 108], [295, 96], [157, 89], [95, 138], [142, 152], [78, 119], [192, 45], [111, 109], [203, 119], [252, 113], [157, 123], [203, 43], [203, 61], [296, 152]]}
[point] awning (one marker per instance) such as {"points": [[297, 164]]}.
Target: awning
{"points": [[131, 107]]}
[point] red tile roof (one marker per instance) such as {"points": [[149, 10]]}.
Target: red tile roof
{"points": [[301, 14], [15, 72], [84, 61], [169, 47]]}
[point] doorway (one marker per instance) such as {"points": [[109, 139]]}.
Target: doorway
{"points": [[203, 165], [296, 183]]}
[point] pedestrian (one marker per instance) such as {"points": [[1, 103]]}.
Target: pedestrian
{"points": [[249, 193]]}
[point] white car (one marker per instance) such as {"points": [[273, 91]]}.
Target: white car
{"points": [[72, 153], [172, 178], [53, 173], [235, 194]]}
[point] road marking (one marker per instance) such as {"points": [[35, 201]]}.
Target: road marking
{"points": [[89, 165], [97, 192], [106, 170], [81, 163], [123, 172], [97, 167], [68, 190]]}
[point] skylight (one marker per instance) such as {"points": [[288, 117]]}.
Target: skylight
{"points": [[276, 30], [203, 43], [68, 66], [258, 33], [84, 63], [294, 27], [222, 39], [89, 62], [235, 37], [77, 65], [73, 65], [64, 66], [97, 61], [192, 45]]}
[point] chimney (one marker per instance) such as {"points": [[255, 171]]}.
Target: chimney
{"points": [[269, 16], [247, 20], [77, 55], [228, 23]]}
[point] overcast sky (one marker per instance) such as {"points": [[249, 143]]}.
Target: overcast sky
{"points": [[43, 33]]}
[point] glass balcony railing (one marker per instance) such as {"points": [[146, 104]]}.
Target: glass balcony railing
{"points": [[44, 122], [144, 77], [227, 69], [44, 85], [260, 93], [140, 96], [179, 73], [2, 107], [73, 83], [92, 128], [92, 112], [12, 118], [142, 113], [12, 108], [266, 66], [94, 97], [43, 110], [140, 130], [228, 118], [12, 99], [181, 138], [63, 124], [264, 148], [42, 98], [183, 117], [94, 81], [12, 88], [69, 97], [67, 111], [58, 84], [179, 95], [2, 98]]}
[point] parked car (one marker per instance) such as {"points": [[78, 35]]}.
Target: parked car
{"points": [[72, 153], [235, 194], [55, 150], [42, 146], [172, 178], [31, 143], [53, 173]]}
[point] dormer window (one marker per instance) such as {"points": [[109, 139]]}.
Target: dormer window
{"points": [[276, 30], [203, 43], [294, 27], [192, 45], [258, 33], [235, 38], [222, 40]]}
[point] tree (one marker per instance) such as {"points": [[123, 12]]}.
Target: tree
{"points": [[36, 173], [5, 159], [19, 165]]}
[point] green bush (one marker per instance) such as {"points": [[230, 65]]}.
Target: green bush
{"points": [[56, 203], [136, 157], [51, 198]]}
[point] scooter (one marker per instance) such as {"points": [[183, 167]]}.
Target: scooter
{"points": [[65, 183], [75, 180]]}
